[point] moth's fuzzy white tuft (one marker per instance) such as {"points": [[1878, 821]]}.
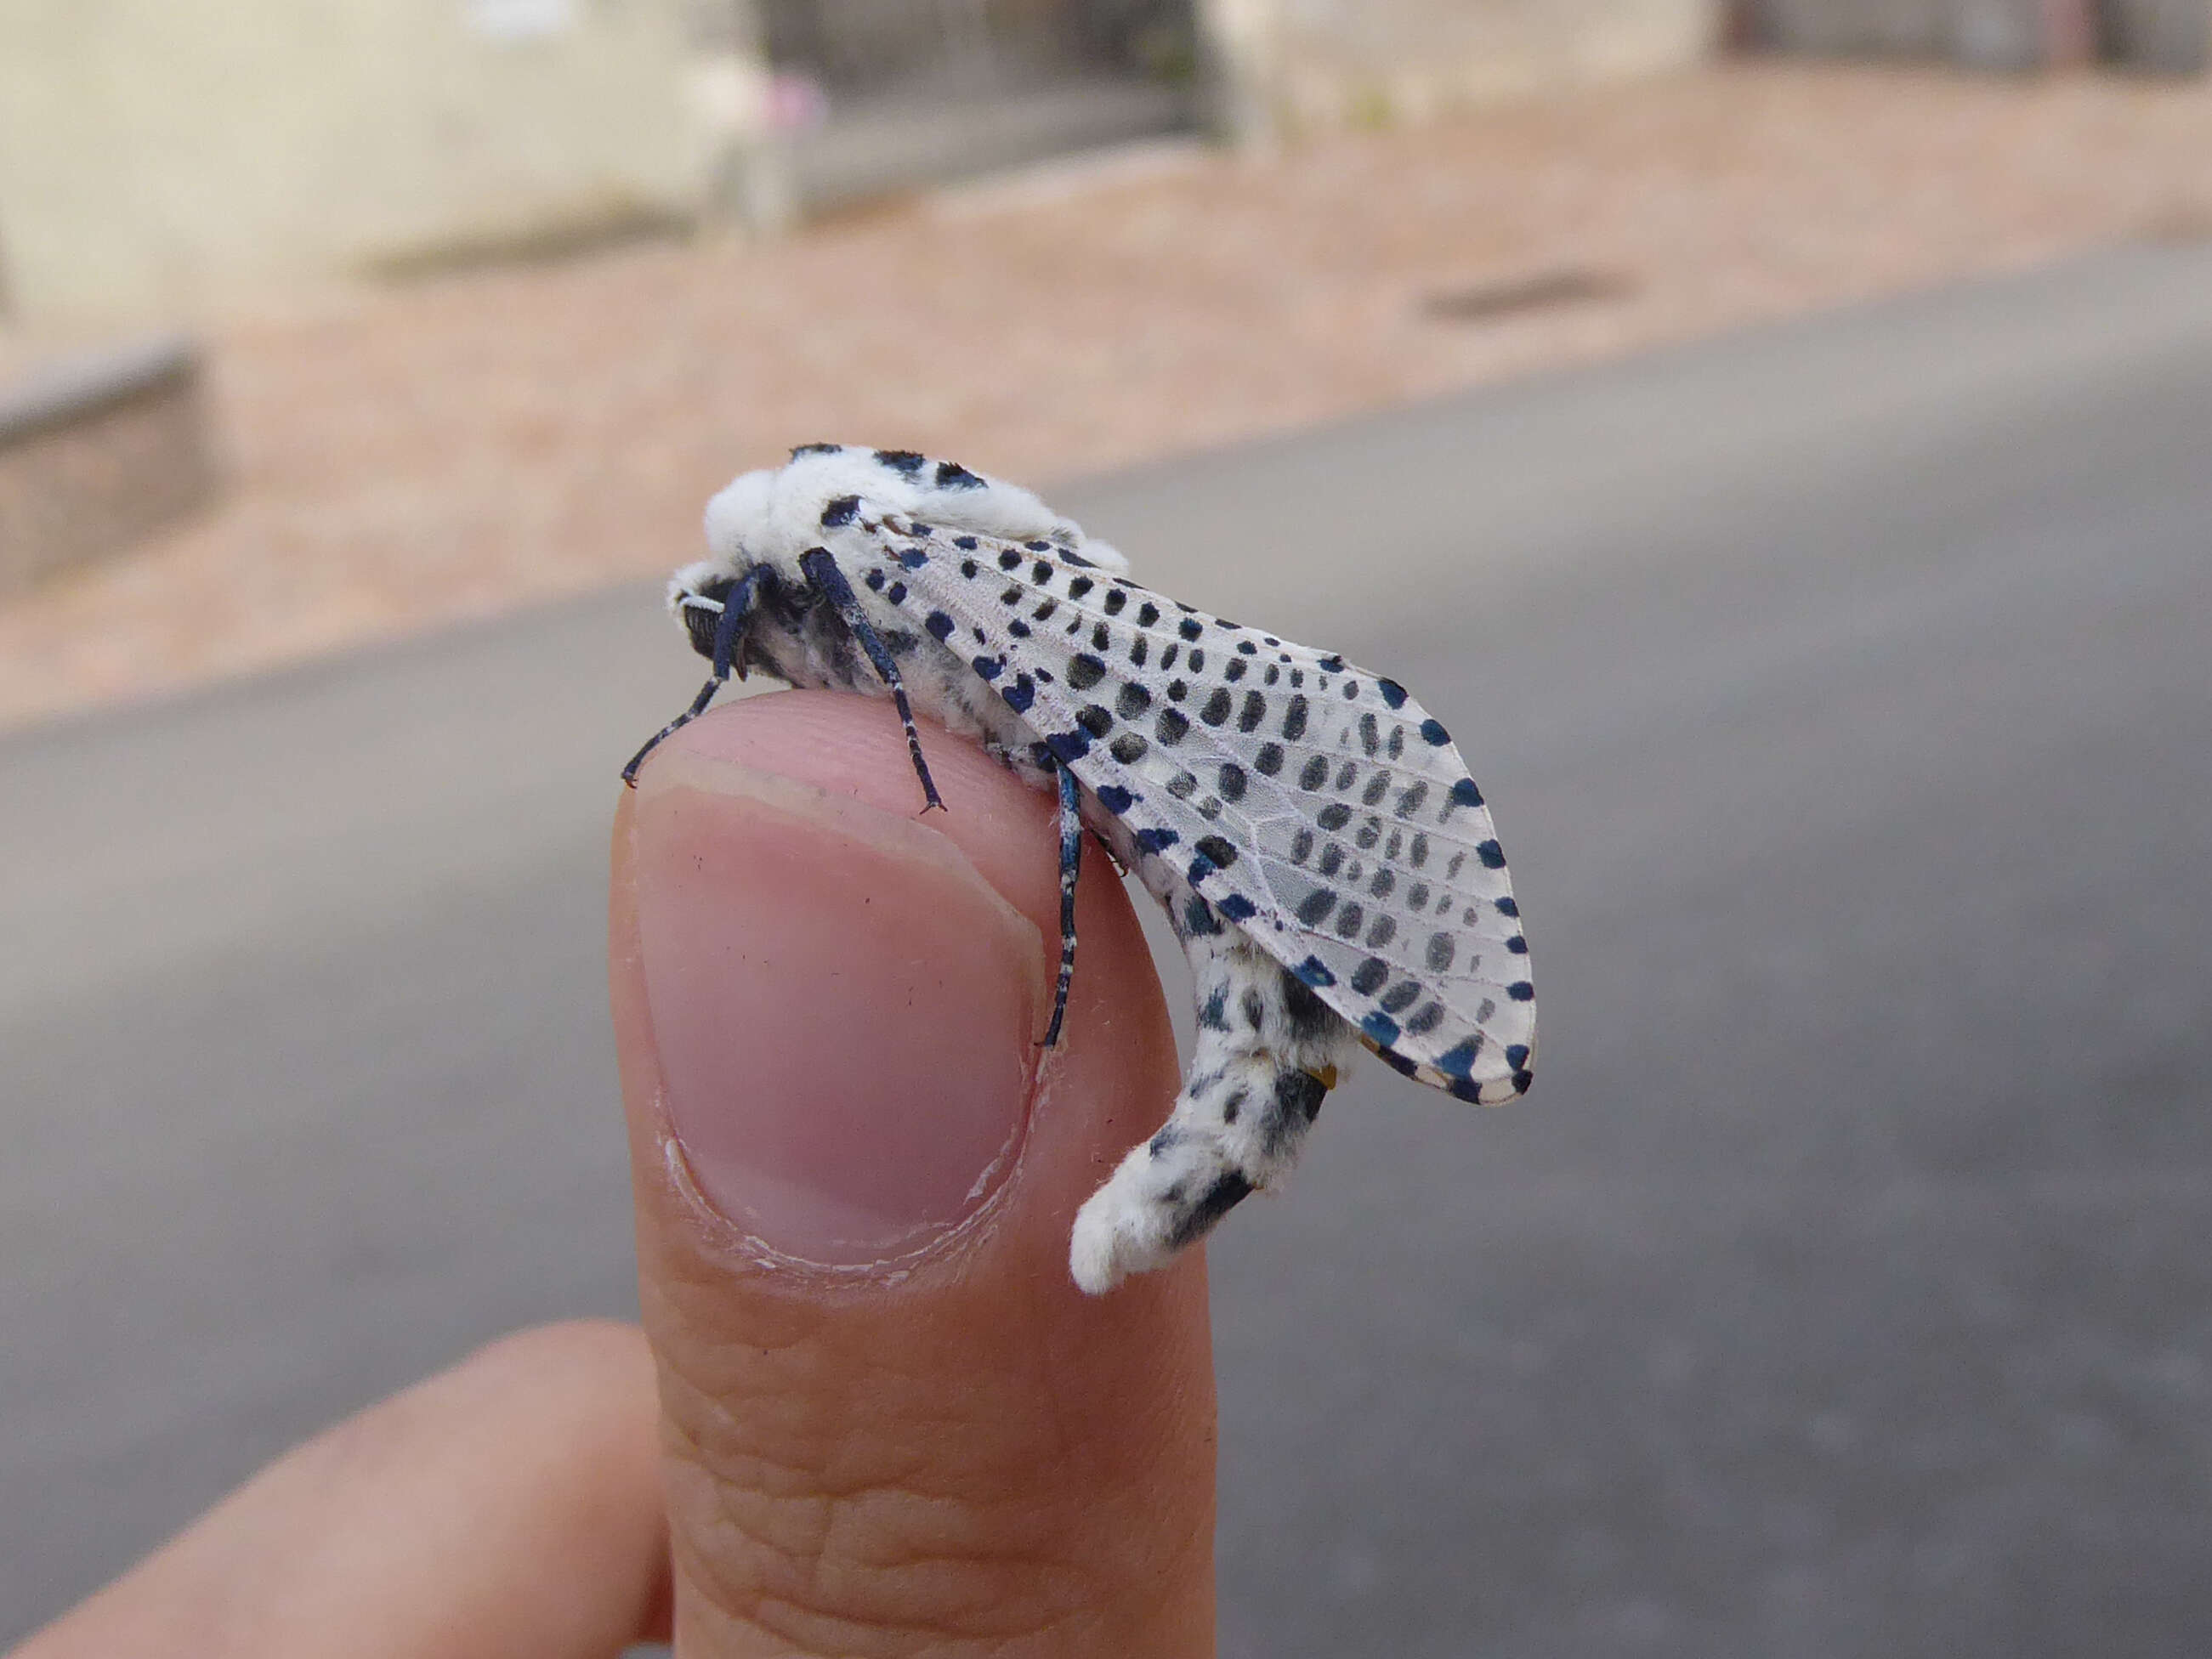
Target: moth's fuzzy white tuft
{"points": [[759, 513]]}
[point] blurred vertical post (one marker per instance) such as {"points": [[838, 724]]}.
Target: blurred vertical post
{"points": [[750, 188], [1240, 53]]}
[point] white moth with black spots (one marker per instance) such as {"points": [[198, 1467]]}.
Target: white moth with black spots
{"points": [[1320, 851]]}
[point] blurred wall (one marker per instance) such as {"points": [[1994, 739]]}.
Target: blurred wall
{"points": [[2161, 37], [159, 153], [1323, 63]]}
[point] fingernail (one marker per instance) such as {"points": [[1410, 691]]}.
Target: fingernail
{"points": [[845, 1010]]}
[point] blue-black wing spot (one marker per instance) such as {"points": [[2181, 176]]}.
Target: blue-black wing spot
{"points": [[1398, 1062], [841, 512], [938, 624], [1114, 799], [1382, 1028], [1492, 854], [1223, 852], [1458, 1060], [1237, 908], [951, 475]]}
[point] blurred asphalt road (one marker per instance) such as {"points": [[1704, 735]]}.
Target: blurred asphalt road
{"points": [[1845, 692]]}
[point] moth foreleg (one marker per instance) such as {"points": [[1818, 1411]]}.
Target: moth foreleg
{"points": [[830, 581], [1070, 865], [734, 605]]}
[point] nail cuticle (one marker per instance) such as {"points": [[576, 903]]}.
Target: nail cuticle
{"points": [[730, 1245]]}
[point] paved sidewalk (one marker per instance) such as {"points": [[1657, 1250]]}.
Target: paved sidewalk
{"points": [[406, 457]]}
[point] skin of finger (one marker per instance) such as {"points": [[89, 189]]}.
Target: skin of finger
{"points": [[969, 1456], [510, 1506]]}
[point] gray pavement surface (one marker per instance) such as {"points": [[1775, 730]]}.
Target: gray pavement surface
{"points": [[1844, 693]]}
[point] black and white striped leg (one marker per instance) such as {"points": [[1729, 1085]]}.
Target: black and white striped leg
{"points": [[830, 581], [734, 606], [1070, 865]]}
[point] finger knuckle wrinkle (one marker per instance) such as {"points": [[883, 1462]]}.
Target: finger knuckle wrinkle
{"points": [[888, 1569]]}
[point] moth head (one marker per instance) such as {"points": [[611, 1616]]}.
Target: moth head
{"points": [[696, 594], [738, 538]]}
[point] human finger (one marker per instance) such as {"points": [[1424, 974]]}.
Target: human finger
{"points": [[510, 1506], [893, 1423]]}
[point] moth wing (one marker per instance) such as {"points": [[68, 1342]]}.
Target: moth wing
{"points": [[1314, 804]]}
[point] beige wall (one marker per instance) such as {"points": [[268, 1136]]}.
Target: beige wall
{"points": [[1303, 63], [158, 154]]}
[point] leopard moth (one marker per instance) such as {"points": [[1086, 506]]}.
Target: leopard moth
{"points": [[1323, 855]]}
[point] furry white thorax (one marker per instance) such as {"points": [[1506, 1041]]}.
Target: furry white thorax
{"points": [[772, 516]]}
